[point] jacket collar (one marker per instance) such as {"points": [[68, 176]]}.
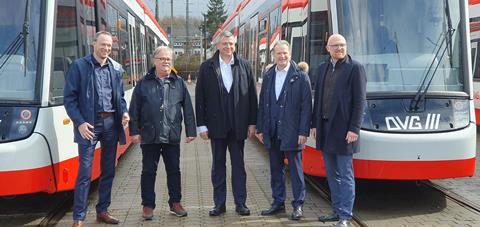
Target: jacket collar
{"points": [[151, 75]]}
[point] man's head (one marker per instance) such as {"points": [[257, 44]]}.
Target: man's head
{"points": [[162, 58], [102, 45], [337, 47], [281, 53], [226, 45]]}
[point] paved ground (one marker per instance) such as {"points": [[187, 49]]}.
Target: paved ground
{"points": [[467, 187], [197, 193]]}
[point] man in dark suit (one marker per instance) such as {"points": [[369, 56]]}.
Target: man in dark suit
{"points": [[226, 110], [340, 99], [283, 125], [94, 101]]}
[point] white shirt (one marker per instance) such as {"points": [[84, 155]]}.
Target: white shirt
{"points": [[280, 76], [226, 70], [227, 77]]}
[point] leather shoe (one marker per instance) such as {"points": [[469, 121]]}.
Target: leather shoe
{"points": [[147, 213], [297, 213], [329, 217], [217, 210], [242, 210], [274, 209], [343, 223], [77, 223], [105, 217]]}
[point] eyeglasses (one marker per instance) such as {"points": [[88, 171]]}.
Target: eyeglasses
{"points": [[164, 59], [338, 46]]}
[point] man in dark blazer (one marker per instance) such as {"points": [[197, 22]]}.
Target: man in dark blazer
{"points": [[226, 110], [94, 101], [340, 99], [283, 125]]}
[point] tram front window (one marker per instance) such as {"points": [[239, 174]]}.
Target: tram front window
{"points": [[402, 42], [19, 46]]}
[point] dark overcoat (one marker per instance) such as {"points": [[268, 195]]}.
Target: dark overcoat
{"points": [[346, 110]]}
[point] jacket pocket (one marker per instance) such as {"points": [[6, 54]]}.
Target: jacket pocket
{"points": [[148, 133]]}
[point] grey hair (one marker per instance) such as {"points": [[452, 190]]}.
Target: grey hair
{"points": [[98, 34], [226, 34], [281, 42], [162, 49]]}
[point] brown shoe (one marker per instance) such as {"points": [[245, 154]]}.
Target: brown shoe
{"points": [[77, 223], [177, 209], [147, 213], [105, 217]]}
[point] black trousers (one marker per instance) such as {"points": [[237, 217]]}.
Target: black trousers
{"points": [[239, 176], [171, 159]]}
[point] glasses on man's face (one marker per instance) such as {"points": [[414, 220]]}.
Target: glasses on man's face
{"points": [[338, 46], [164, 59]]}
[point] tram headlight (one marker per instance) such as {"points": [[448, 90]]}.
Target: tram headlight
{"points": [[461, 113], [16, 122]]}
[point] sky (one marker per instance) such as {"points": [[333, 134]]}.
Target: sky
{"points": [[196, 7]]}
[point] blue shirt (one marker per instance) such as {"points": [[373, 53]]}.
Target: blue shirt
{"points": [[103, 87]]}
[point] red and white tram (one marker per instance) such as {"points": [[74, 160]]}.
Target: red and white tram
{"points": [[39, 39], [420, 121]]}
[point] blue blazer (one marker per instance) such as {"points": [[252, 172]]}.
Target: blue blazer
{"points": [[346, 110], [79, 95], [295, 115]]}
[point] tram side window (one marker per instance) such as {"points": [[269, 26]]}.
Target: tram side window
{"points": [[318, 37], [66, 48], [112, 16], [124, 47]]}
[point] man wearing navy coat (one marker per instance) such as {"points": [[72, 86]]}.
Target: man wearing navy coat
{"points": [[93, 99], [340, 98], [283, 125]]}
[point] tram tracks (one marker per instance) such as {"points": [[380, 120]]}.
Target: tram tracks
{"points": [[325, 194], [54, 215], [460, 200]]}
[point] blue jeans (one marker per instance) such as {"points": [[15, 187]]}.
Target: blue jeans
{"points": [[341, 182], [171, 158], [277, 174], [104, 130]]}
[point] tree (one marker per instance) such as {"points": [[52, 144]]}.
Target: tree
{"points": [[214, 17]]}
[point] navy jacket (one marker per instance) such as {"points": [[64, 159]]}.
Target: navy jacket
{"points": [[209, 104], [157, 121], [346, 110], [295, 114], [79, 95]]}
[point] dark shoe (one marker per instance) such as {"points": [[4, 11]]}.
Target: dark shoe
{"points": [[147, 213], [178, 210], [297, 213], [274, 209], [242, 210], [343, 223], [77, 223], [330, 217], [105, 217], [217, 210]]}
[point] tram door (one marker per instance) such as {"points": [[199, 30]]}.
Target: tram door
{"points": [[133, 70]]}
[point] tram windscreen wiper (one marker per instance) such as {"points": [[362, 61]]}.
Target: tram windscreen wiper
{"points": [[429, 75], [20, 39]]}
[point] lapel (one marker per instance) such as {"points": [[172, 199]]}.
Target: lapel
{"points": [[342, 76], [236, 81], [113, 81], [218, 76]]}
